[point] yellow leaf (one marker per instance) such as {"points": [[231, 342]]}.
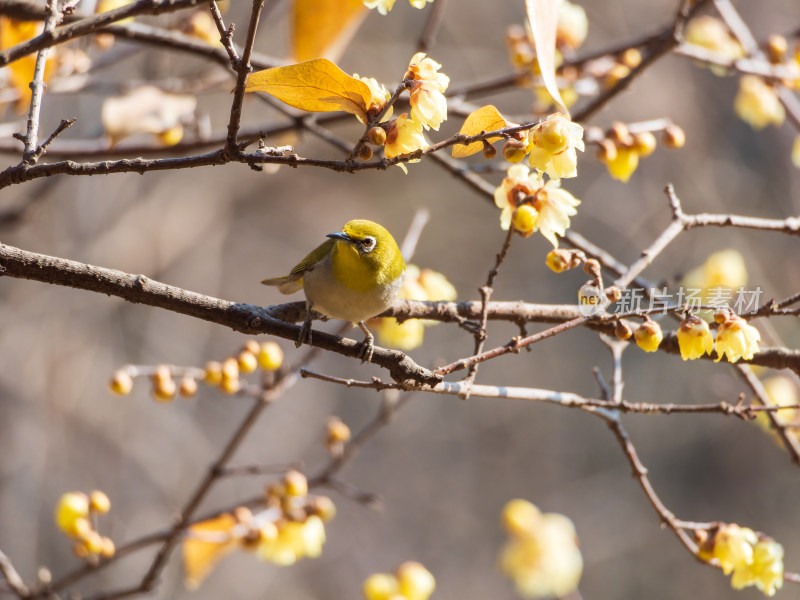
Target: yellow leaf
{"points": [[314, 85], [13, 32], [543, 18], [486, 118], [323, 28], [206, 544]]}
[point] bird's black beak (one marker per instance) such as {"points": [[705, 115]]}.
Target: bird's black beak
{"points": [[339, 235]]}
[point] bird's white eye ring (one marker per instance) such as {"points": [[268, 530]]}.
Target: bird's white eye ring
{"points": [[368, 244]]}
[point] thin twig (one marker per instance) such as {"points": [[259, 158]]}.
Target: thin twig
{"points": [[31, 152], [12, 578], [242, 68]]}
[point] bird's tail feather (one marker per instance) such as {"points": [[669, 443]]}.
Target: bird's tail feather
{"points": [[288, 284]]}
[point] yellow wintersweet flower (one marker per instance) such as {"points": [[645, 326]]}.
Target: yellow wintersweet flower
{"points": [[733, 547], [383, 6], [380, 96], [723, 270], [552, 206], [757, 104], [424, 284], [555, 207], [428, 104], [552, 145], [295, 540], [542, 557], [736, 338], [411, 581], [416, 582], [72, 512], [649, 335], [694, 338], [518, 184], [796, 152], [712, 34], [767, 567], [404, 137], [623, 164], [573, 25]]}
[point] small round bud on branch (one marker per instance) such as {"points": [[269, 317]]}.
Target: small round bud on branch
{"points": [[674, 137], [376, 136]]}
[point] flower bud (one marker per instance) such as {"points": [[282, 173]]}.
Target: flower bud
{"points": [[776, 48], [121, 383], [94, 542], [99, 502], [188, 387], [606, 150], [247, 362], [213, 373], [416, 582], [295, 483], [338, 432], [620, 133], [613, 293], [622, 331], [108, 548], [489, 151], [592, 267], [649, 335], [631, 58], [324, 508], [558, 260], [376, 136], [520, 517], [514, 151], [72, 507], [270, 356], [644, 143], [164, 387], [381, 586], [614, 75], [364, 152], [252, 345], [230, 386], [673, 137]]}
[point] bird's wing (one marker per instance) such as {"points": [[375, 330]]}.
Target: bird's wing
{"points": [[293, 282]]}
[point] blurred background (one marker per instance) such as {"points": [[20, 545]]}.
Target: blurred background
{"points": [[444, 468]]}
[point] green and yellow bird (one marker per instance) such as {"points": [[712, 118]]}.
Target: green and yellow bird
{"points": [[354, 275]]}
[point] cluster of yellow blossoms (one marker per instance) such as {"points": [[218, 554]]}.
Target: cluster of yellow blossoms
{"points": [[542, 554], [419, 284], [753, 558], [736, 338], [530, 204], [289, 528], [411, 581], [404, 135], [756, 102], [225, 375], [75, 514], [620, 149]]}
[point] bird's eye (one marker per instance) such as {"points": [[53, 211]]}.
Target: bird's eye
{"points": [[368, 244]]}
